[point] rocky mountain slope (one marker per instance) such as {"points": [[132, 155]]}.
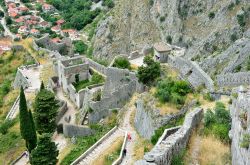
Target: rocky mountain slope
{"points": [[208, 29]]}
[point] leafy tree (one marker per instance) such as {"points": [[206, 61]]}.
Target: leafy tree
{"points": [[27, 127], [45, 112], [122, 62], [149, 73], [45, 153], [8, 20], [211, 15], [109, 3]]}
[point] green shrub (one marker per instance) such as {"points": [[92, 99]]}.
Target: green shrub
{"points": [[149, 73], [122, 62], [80, 47], [109, 3], [162, 18], [169, 39], [231, 6], [151, 2], [241, 18], [218, 122], [169, 90], [245, 142], [211, 15], [207, 96], [233, 37], [6, 125]]}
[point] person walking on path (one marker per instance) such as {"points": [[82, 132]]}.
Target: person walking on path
{"points": [[124, 152]]}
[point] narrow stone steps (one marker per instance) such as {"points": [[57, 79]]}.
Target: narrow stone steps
{"points": [[101, 148]]}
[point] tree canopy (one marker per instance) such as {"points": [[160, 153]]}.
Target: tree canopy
{"points": [[27, 127], [122, 62], [45, 153], [45, 112], [150, 72]]}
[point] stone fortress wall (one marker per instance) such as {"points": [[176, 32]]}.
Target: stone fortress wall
{"points": [[240, 115], [118, 89], [172, 144], [45, 43], [148, 117], [233, 79], [191, 72]]}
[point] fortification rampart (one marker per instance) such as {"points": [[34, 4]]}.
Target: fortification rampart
{"points": [[240, 115], [191, 72], [233, 79], [70, 130], [163, 152], [148, 117]]}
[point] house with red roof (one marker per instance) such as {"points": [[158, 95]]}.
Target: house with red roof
{"points": [[13, 14], [56, 29], [47, 8], [23, 30], [60, 22], [34, 32], [72, 33], [56, 40], [44, 24]]}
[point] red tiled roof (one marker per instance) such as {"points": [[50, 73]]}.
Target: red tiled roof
{"points": [[60, 21], [34, 30], [55, 28], [56, 40], [13, 14]]}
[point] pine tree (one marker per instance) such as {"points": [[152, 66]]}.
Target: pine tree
{"points": [[45, 112], [45, 153], [27, 127], [42, 86]]}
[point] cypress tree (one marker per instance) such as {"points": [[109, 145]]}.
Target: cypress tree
{"points": [[45, 112], [42, 86], [45, 153], [33, 138], [27, 127]]}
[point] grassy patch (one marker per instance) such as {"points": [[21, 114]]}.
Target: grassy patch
{"points": [[111, 154], [95, 79], [84, 143]]}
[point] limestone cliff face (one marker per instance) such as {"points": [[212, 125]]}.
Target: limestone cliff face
{"points": [[205, 28], [129, 27]]}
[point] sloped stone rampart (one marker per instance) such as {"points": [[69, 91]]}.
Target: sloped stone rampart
{"points": [[163, 152]]}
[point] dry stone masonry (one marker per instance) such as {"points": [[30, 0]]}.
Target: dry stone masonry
{"points": [[240, 114], [171, 145]]}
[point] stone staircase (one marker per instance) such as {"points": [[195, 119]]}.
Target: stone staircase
{"points": [[99, 148]]}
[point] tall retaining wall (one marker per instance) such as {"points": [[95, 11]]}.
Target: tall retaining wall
{"points": [[164, 151], [96, 66], [119, 86], [70, 130], [148, 117], [191, 72], [240, 115], [233, 79]]}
